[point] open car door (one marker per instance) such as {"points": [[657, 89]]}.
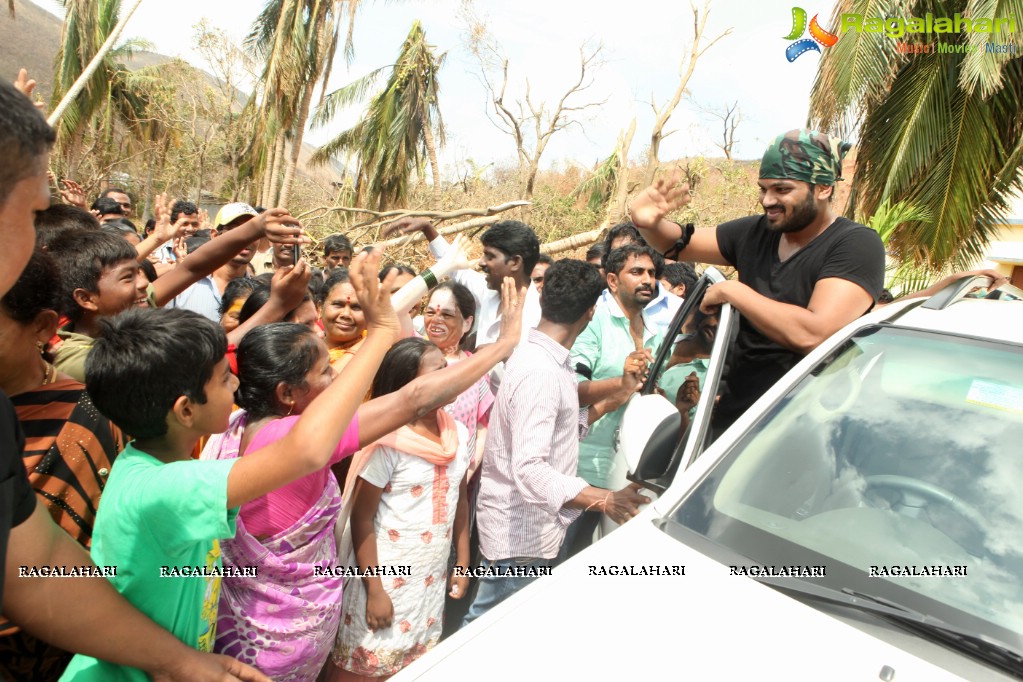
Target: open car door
{"points": [[654, 441]]}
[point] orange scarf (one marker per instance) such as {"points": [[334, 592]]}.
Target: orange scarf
{"points": [[408, 441]]}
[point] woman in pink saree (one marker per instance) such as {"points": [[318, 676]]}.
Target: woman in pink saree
{"points": [[284, 619]]}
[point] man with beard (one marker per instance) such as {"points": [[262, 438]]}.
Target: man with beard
{"points": [[804, 272], [610, 357]]}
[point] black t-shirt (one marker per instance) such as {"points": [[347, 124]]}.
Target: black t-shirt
{"points": [[17, 499], [845, 250]]}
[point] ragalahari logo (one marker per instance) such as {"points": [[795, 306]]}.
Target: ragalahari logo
{"points": [[819, 35]]}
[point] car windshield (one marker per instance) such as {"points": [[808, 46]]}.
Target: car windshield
{"points": [[900, 453]]}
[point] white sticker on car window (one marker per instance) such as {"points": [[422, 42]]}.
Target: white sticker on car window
{"points": [[1000, 396]]}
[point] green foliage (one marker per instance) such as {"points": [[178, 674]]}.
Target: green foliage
{"points": [[942, 132], [392, 138]]}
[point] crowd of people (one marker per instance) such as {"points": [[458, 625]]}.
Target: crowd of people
{"points": [[278, 470]]}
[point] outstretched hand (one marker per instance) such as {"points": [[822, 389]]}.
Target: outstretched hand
{"points": [[658, 200], [512, 300], [374, 296], [72, 193], [458, 258], [406, 226], [280, 227], [290, 284], [27, 86]]}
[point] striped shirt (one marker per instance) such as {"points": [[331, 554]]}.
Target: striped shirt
{"points": [[531, 454]]}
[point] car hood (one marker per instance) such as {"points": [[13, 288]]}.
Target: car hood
{"points": [[575, 625]]}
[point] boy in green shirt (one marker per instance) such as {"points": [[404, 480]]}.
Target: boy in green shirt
{"points": [[162, 375]]}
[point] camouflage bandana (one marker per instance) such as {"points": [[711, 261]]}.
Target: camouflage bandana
{"points": [[805, 155]]}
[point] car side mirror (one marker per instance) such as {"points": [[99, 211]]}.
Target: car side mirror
{"points": [[649, 433]]}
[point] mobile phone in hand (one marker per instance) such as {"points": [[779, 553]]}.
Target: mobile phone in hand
{"points": [[296, 253]]}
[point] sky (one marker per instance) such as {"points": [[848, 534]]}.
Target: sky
{"points": [[642, 50]]}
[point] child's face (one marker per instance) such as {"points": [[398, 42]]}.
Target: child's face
{"points": [[317, 380], [212, 416], [120, 288]]}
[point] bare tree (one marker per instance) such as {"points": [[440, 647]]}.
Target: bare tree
{"points": [[730, 117], [686, 69], [530, 123]]}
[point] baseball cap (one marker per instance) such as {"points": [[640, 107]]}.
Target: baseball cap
{"points": [[229, 212]]}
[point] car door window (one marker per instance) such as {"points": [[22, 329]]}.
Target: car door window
{"points": [[685, 374]]}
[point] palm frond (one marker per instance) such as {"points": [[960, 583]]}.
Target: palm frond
{"points": [[983, 69]]}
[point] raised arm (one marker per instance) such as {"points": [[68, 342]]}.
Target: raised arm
{"points": [[648, 211], [441, 249], [314, 437], [287, 289], [102, 624], [275, 223], [382, 415], [835, 302]]}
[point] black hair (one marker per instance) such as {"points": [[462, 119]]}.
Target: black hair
{"points": [[234, 290], [110, 190], [616, 260], [681, 273], [626, 230], [337, 242], [514, 239], [61, 218], [37, 289], [596, 251], [544, 258], [570, 288], [179, 207], [122, 224], [25, 139], [145, 359], [195, 241], [886, 296], [258, 298], [81, 257], [107, 206], [148, 269], [400, 365], [465, 301], [400, 267], [339, 276], [280, 352], [150, 226]]}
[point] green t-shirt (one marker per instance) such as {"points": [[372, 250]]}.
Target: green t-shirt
{"points": [[602, 348], [155, 518], [673, 378]]}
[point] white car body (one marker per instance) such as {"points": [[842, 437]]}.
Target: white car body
{"points": [[706, 624]]}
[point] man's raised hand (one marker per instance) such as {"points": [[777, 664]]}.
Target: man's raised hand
{"points": [[658, 200], [512, 299], [281, 227]]}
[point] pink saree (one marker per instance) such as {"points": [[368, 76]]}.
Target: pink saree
{"points": [[284, 620]]}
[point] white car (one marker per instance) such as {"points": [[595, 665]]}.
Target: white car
{"points": [[862, 521]]}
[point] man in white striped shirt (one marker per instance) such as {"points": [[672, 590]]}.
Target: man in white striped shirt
{"points": [[529, 491]]}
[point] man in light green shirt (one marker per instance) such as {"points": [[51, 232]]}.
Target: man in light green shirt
{"points": [[600, 355]]}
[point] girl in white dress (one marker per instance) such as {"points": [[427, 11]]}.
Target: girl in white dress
{"points": [[409, 500]]}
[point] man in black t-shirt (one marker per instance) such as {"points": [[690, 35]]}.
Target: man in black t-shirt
{"points": [[804, 273]]}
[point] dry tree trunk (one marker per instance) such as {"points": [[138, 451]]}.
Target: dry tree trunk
{"points": [[431, 151]]}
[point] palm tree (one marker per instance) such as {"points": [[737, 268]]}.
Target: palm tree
{"points": [[297, 40], [109, 95], [940, 131], [398, 127]]}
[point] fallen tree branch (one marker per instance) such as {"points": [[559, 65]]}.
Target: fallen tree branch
{"points": [[389, 216], [446, 230], [573, 242]]}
